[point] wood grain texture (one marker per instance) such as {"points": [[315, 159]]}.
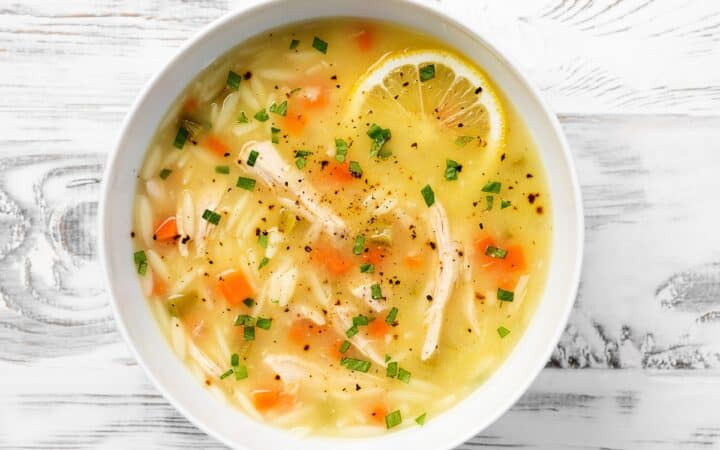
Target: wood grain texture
{"points": [[637, 86]]}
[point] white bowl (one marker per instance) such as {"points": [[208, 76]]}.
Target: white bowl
{"points": [[137, 324]]}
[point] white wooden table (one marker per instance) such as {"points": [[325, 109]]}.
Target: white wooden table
{"points": [[636, 84]]}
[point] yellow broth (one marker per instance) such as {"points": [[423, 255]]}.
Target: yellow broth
{"points": [[247, 271]]}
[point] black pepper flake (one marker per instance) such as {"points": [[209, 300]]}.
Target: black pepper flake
{"points": [[539, 209], [502, 157], [428, 297], [247, 75], [478, 90], [308, 248], [306, 347], [132, 234], [529, 175], [532, 197]]}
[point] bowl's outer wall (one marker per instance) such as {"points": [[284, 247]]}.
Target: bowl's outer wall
{"points": [[169, 374]]}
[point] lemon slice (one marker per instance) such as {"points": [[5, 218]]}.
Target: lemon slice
{"points": [[434, 86]]}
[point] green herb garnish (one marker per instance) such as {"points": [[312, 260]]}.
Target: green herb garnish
{"points": [[504, 204], [403, 375], [263, 240], [252, 158], [352, 331], [358, 365], [280, 109], [421, 419], [241, 372], [379, 137], [341, 150], [235, 360], [300, 158], [244, 320], [427, 72], [367, 268], [320, 45], [359, 244], [249, 333], [180, 138], [211, 216], [345, 346], [226, 374], [489, 202], [492, 186], [393, 419], [243, 118], [293, 44], [264, 262], [233, 80], [462, 141], [505, 296], [263, 323], [392, 315], [428, 195], [249, 302], [495, 252], [275, 135], [222, 169], [140, 262], [361, 320], [502, 331], [246, 183], [392, 369], [165, 173], [355, 169], [452, 168], [261, 115], [376, 292]]}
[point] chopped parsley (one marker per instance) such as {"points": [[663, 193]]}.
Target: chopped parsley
{"points": [[246, 183], [489, 199], [252, 158], [359, 244], [492, 187], [505, 296], [358, 365], [379, 137], [504, 204], [376, 292], [233, 80], [222, 169], [392, 315], [293, 44], [264, 262], [280, 109], [320, 45], [211, 216], [226, 374], [263, 240], [180, 138], [261, 115], [403, 375], [241, 372], [355, 169], [345, 346], [495, 252], [391, 369], [502, 331], [301, 158], [393, 419], [249, 302], [452, 168], [341, 150], [243, 118], [249, 333], [427, 72], [263, 323], [462, 141], [244, 320], [420, 420], [352, 331], [140, 261], [428, 195], [367, 268], [275, 135]]}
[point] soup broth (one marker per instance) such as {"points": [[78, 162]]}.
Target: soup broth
{"points": [[342, 227]]}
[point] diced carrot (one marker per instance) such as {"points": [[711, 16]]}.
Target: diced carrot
{"points": [[167, 229], [332, 259], [378, 328], [334, 351], [505, 270], [302, 330], [374, 255], [265, 399], [159, 286], [415, 260], [294, 122], [364, 38], [515, 259], [377, 413], [339, 172], [313, 96], [190, 105], [234, 286], [216, 145]]}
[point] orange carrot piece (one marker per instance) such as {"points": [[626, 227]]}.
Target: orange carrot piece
{"points": [[190, 105], [339, 172], [265, 399], [331, 258], [515, 259], [234, 286], [378, 328], [217, 146], [377, 413], [294, 122], [159, 286], [167, 229], [374, 255], [414, 260], [364, 39]]}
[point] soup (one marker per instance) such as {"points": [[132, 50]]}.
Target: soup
{"points": [[342, 227]]}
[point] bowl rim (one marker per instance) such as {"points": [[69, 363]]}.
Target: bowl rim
{"points": [[207, 30]]}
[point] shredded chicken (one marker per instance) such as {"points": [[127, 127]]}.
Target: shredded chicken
{"points": [[364, 292], [342, 320], [281, 176], [445, 278]]}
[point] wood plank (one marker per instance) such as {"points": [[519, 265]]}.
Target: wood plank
{"points": [[649, 287]]}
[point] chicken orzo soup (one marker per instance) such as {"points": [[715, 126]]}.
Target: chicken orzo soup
{"points": [[342, 227]]}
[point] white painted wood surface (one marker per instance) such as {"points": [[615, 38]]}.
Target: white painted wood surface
{"points": [[636, 84]]}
